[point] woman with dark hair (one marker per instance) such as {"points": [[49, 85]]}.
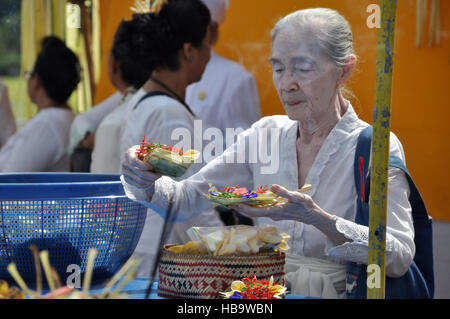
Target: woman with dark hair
{"points": [[95, 134], [42, 144], [173, 42]]}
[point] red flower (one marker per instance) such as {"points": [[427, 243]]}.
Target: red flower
{"points": [[261, 190], [229, 189]]}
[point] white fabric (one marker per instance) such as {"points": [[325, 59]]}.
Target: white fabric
{"points": [[225, 97], [41, 145], [7, 121], [106, 153], [156, 118], [91, 119], [217, 9], [333, 188], [314, 277]]}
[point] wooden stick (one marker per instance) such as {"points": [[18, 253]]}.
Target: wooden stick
{"points": [[37, 265], [92, 254], [116, 278], [48, 273], [12, 269], [130, 276]]}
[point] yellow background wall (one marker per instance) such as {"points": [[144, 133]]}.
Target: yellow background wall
{"points": [[421, 85]]}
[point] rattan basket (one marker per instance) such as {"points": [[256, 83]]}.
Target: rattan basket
{"points": [[204, 277]]}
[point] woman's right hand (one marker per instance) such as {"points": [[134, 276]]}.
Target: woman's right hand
{"points": [[138, 173]]}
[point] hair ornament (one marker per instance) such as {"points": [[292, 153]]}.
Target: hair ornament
{"points": [[148, 6]]}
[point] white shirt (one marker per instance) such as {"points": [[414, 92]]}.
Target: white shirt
{"points": [[106, 154], [7, 121], [333, 189], [156, 118], [91, 119], [226, 96], [41, 145]]}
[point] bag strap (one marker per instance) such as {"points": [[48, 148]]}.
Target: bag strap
{"points": [[158, 93], [149, 95], [422, 221], [362, 175]]}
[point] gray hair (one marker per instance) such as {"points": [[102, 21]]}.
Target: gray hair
{"points": [[331, 29]]}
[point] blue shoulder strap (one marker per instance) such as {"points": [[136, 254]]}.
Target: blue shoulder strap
{"points": [[418, 282]]}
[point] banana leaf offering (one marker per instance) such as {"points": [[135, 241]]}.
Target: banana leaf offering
{"points": [[261, 197], [167, 160]]}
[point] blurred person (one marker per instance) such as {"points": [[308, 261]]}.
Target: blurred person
{"points": [[227, 94], [225, 97], [41, 145], [7, 122], [174, 43], [96, 134]]}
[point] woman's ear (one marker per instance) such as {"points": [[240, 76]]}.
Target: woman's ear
{"points": [[188, 52], [35, 83], [347, 69]]}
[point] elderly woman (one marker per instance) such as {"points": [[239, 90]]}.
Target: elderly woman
{"points": [[312, 58]]}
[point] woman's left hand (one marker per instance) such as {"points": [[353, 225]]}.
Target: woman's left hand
{"points": [[299, 207]]}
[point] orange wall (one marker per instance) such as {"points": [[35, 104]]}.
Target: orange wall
{"points": [[421, 86]]}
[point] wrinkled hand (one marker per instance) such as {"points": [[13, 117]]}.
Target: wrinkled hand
{"points": [[138, 173], [299, 207]]}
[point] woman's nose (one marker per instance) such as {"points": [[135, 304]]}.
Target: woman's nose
{"points": [[288, 82]]}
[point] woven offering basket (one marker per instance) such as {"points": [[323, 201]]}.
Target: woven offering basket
{"points": [[204, 276]]}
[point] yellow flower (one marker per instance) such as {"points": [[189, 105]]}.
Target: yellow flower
{"points": [[237, 285], [277, 289]]}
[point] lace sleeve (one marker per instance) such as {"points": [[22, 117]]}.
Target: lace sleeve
{"points": [[400, 248]]}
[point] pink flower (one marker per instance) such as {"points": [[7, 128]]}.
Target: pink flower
{"points": [[240, 191]]}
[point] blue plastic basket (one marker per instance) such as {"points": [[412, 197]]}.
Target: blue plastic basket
{"points": [[67, 214]]}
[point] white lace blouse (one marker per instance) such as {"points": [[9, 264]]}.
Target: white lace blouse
{"points": [[333, 189]]}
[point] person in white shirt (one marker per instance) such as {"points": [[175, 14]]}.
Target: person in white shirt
{"points": [[227, 95], [312, 58], [7, 121], [97, 132], [174, 44], [41, 145]]}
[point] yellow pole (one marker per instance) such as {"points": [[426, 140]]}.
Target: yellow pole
{"points": [[380, 152]]}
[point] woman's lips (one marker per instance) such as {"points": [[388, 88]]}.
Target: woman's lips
{"points": [[293, 103]]}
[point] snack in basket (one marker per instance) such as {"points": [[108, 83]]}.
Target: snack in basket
{"points": [[166, 160], [233, 240], [252, 288], [261, 197]]}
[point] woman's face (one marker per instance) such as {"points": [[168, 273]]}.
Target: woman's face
{"points": [[305, 78], [200, 57]]}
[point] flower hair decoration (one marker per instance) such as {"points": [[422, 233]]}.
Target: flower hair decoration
{"points": [[148, 6]]}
